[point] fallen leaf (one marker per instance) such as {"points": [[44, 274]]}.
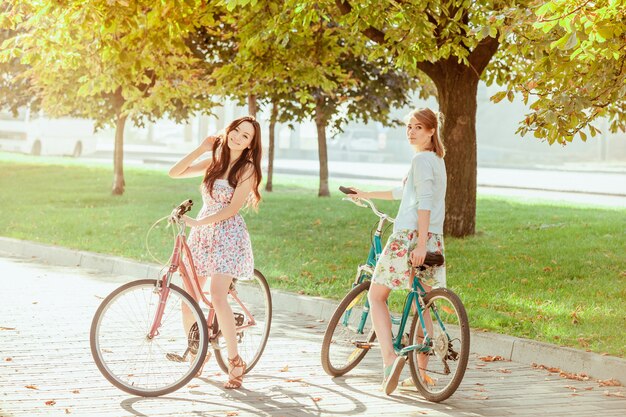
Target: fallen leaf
{"points": [[478, 383], [447, 309], [316, 399], [193, 386], [293, 380], [8, 359], [51, 402], [7, 328], [504, 370], [232, 413], [31, 386], [76, 391], [549, 369], [570, 387], [577, 377], [588, 388], [491, 358], [68, 411], [609, 383], [285, 369], [583, 341], [614, 394]]}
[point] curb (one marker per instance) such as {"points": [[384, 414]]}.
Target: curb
{"points": [[511, 348]]}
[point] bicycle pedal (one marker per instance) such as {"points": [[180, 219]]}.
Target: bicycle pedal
{"points": [[238, 319], [174, 357], [363, 345]]}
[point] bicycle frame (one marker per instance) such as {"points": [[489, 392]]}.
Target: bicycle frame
{"points": [[191, 285], [414, 296]]}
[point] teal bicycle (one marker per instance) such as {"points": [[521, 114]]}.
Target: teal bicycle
{"points": [[437, 344]]}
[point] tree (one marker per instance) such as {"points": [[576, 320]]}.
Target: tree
{"points": [[252, 76], [456, 43], [110, 60], [335, 84]]}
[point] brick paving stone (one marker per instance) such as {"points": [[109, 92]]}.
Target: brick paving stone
{"points": [[46, 311]]}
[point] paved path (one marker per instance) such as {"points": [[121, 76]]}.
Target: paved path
{"points": [[46, 368]]}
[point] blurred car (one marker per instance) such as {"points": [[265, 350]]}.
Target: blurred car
{"points": [[358, 140], [31, 132]]}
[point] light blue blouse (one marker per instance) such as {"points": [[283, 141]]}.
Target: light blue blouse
{"points": [[424, 189]]}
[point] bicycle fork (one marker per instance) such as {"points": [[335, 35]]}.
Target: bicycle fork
{"points": [[163, 292]]}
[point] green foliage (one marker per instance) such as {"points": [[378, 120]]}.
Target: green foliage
{"points": [[568, 62], [15, 90], [100, 59], [298, 55]]}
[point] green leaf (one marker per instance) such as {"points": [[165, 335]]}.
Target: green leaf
{"points": [[572, 41], [496, 98]]}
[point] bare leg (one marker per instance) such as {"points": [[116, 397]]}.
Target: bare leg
{"points": [[220, 284], [381, 320]]}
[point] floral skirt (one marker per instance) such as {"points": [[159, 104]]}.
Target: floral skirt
{"points": [[393, 268]]}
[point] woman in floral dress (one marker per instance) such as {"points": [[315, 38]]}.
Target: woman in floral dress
{"points": [[219, 240], [418, 229]]}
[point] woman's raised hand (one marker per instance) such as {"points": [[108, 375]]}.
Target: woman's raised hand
{"points": [[357, 193], [207, 143]]}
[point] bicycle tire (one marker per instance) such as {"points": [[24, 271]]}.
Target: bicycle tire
{"points": [[251, 357], [130, 310], [449, 347], [354, 357]]}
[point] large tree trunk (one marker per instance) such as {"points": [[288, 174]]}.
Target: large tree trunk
{"points": [[270, 152], [118, 157], [320, 123], [252, 107], [457, 86]]}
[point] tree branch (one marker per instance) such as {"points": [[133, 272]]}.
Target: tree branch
{"points": [[482, 54]]}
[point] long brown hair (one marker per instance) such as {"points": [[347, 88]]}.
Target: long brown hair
{"points": [[221, 159], [431, 120]]}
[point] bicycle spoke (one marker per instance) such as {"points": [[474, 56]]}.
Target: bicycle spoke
{"points": [[122, 349], [438, 372]]}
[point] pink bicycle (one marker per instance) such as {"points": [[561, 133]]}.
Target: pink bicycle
{"points": [[138, 339]]}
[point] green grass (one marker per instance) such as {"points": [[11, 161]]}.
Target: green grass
{"points": [[545, 271]]}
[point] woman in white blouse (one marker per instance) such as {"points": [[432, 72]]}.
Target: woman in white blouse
{"points": [[418, 228]]}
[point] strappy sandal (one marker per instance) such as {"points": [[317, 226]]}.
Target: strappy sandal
{"points": [[235, 382]]}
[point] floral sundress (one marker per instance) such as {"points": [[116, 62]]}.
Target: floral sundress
{"points": [[223, 247], [393, 268]]}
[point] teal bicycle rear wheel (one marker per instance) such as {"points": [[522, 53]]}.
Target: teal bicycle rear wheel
{"points": [[438, 372]]}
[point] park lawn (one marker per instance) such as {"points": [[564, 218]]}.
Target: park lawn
{"points": [[546, 271]]}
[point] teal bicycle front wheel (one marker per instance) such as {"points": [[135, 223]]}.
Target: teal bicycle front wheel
{"points": [[349, 334], [438, 371]]}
